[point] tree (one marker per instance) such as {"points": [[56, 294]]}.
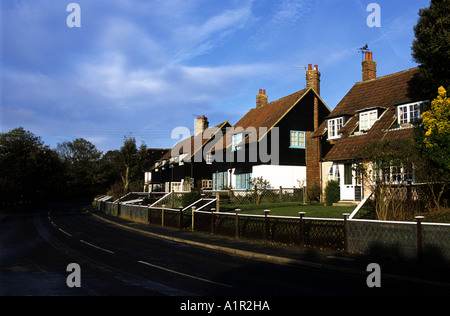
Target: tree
{"points": [[81, 160], [133, 162], [26, 165], [431, 48], [259, 185], [110, 168], [434, 144], [436, 123]]}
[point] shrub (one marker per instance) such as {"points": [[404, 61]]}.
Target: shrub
{"points": [[332, 192], [190, 198]]}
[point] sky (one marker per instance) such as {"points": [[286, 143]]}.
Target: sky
{"points": [[141, 68]]}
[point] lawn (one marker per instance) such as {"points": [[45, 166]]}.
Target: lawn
{"points": [[291, 209]]}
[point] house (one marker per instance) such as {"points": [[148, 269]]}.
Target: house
{"points": [[374, 110], [273, 140], [153, 155], [184, 167]]}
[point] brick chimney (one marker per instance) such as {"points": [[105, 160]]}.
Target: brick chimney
{"points": [[201, 123], [261, 99], [369, 67], [313, 78], [312, 154]]}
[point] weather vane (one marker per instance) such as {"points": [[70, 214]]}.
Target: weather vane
{"points": [[363, 49]]}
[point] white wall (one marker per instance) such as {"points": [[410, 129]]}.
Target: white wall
{"points": [[284, 176]]}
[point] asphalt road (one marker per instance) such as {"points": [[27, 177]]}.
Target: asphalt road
{"points": [[37, 247]]}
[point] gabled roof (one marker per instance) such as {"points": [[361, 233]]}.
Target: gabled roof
{"points": [[384, 93], [267, 116], [193, 144]]}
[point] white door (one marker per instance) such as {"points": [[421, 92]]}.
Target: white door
{"points": [[347, 182]]}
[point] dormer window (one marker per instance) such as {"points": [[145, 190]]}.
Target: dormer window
{"points": [[181, 158], [209, 158], [334, 125], [408, 113], [367, 119], [235, 140]]}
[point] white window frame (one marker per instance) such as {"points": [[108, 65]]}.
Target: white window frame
{"points": [[334, 125], [209, 158], [206, 183], [235, 140], [395, 174], [334, 174], [176, 186], [367, 119], [405, 113]]}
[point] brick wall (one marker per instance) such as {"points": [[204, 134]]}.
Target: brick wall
{"points": [[312, 160]]}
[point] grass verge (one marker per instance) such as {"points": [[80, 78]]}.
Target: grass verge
{"points": [[291, 209]]}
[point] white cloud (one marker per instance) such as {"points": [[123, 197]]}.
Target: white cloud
{"points": [[194, 39], [290, 11]]}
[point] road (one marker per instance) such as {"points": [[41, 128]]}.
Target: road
{"points": [[37, 247]]}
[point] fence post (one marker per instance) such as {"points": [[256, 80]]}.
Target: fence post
{"points": [[419, 238], [162, 215], [149, 214], [173, 199], [280, 194], [217, 202], [236, 230], [346, 215], [212, 221], [266, 224], [180, 217], [193, 215], [302, 228]]}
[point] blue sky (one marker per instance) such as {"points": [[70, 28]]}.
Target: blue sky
{"points": [[145, 67]]}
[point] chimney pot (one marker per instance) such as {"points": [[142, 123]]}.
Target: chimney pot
{"points": [[261, 98], [201, 124], [369, 67], [313, 78]]}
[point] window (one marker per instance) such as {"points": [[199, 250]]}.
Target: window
{"points": [[333, 173], [348, 175], [235, 140], [366, 120], [219, 180], [399, 174], [206, 184], [209, 158], [176, 186], [244, 181], [330, 174], [334, 125], [298, 139], [408, 113]]}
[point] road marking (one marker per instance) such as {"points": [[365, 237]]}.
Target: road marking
{"points": [[65, 232], [183, 274], [92, 245]]}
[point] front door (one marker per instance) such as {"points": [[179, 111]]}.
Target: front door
{"points": [[348, 183]]}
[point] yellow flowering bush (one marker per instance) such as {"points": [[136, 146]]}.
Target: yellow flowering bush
{"points": [[436, 121]]}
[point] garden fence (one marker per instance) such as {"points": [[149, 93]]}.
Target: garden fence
{"points": [[403, 240]]}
